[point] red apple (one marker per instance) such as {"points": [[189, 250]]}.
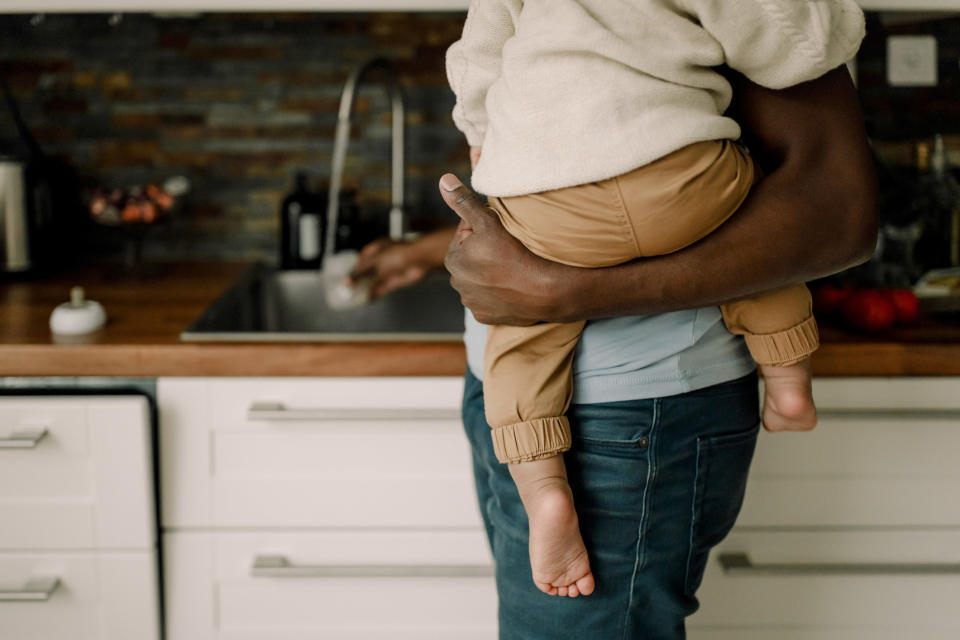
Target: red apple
{"points": [[905, 305], [828, 299], [869, 310]]}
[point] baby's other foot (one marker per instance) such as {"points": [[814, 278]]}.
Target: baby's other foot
{"points": [[788, 398], [558, 557]]}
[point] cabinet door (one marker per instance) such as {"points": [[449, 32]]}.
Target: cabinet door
{"points": [[80, 595], [831, 584], [884, 454], [75, 473], [349, 585], [315, 453]]}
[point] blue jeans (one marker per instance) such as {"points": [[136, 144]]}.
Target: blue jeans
{"points": [[656, 484]]}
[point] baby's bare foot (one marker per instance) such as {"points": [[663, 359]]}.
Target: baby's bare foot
{"points": [[558, 558], [788, 398]]}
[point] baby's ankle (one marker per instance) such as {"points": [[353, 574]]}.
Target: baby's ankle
{"points": [[791, 374], [788, 399], [540, 480]]}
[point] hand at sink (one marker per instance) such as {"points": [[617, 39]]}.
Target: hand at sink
{"points": [[266, 304], [342, 290], [391, 265]]}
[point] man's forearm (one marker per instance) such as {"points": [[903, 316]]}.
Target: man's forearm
{"points": [[431, 247], [811, 216], [782, 235]]}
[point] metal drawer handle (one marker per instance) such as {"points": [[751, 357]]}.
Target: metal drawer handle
{"points": [[267, 411], [36, 589], [24, 438], [740, 564], [279, 567]]}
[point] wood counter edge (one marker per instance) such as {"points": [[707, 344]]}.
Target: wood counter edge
{"points": [[391, 359], [235, 360]]}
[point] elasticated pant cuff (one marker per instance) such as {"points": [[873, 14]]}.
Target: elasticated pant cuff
{"points": [[531, 440], [786, 347]]}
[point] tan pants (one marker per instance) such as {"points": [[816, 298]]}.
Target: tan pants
{"points": [[654, 210]]}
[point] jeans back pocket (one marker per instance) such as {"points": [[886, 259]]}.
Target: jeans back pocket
{"points": [[620, 429], [723, 464]]}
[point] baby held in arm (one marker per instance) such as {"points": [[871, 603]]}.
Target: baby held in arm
{"points": [[595, 158]]}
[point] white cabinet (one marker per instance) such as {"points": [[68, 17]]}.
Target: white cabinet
{"points": [[851, 531], [295, 452], [84, 482], [836, 582], [411, 585], [78, 556], [299, 508], [103, 595]]}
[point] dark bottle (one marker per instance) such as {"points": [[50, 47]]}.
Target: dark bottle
{"points": [[348, 219], [938, 207], [302, 227], [947, 194]]}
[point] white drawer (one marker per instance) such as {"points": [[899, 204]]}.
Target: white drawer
{"points": [[837, 584], [314, 453], [888, 393], [347, 585], [86, 483], [98, 596], [859, 468]]}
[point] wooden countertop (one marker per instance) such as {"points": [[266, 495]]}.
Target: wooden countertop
{"points": [[147, 314]]}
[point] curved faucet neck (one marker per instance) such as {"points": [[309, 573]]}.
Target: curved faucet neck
{"points": [[342, 140]]}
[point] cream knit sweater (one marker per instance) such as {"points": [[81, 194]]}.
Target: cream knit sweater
{"points": [[566, 92]]}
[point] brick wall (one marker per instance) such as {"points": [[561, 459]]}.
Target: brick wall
{"points": [[237, 102]]}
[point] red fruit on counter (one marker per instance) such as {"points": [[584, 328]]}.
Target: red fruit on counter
{"points": [[905, 305], [869, 310], [828, 299], [130, 213], [148, 211]]}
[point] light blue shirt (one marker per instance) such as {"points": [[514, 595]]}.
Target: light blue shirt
{"points": [[641, 357]]}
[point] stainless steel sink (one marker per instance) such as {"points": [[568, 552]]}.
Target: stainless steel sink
{"points": [[266, 304]]}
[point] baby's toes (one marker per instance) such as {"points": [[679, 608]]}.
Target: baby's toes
{"points": [[584, 585], [562, 591], [572, 590], [546, 587]]}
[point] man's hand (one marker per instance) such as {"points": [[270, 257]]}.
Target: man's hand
{"points": [[497, 277], [391, 265]]}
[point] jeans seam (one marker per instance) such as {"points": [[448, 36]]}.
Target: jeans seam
{"points": [[694, 513], [640, 558], [705, 445]]}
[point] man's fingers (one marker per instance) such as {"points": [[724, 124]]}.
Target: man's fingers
{"points": [[374, 247], [396, 281], [463, 201], [367, 259]]}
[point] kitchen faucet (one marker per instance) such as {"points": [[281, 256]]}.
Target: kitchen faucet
{"points": [[347, 101]]}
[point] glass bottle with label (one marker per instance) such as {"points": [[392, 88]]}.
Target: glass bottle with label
{"points": [[302, 225]]}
